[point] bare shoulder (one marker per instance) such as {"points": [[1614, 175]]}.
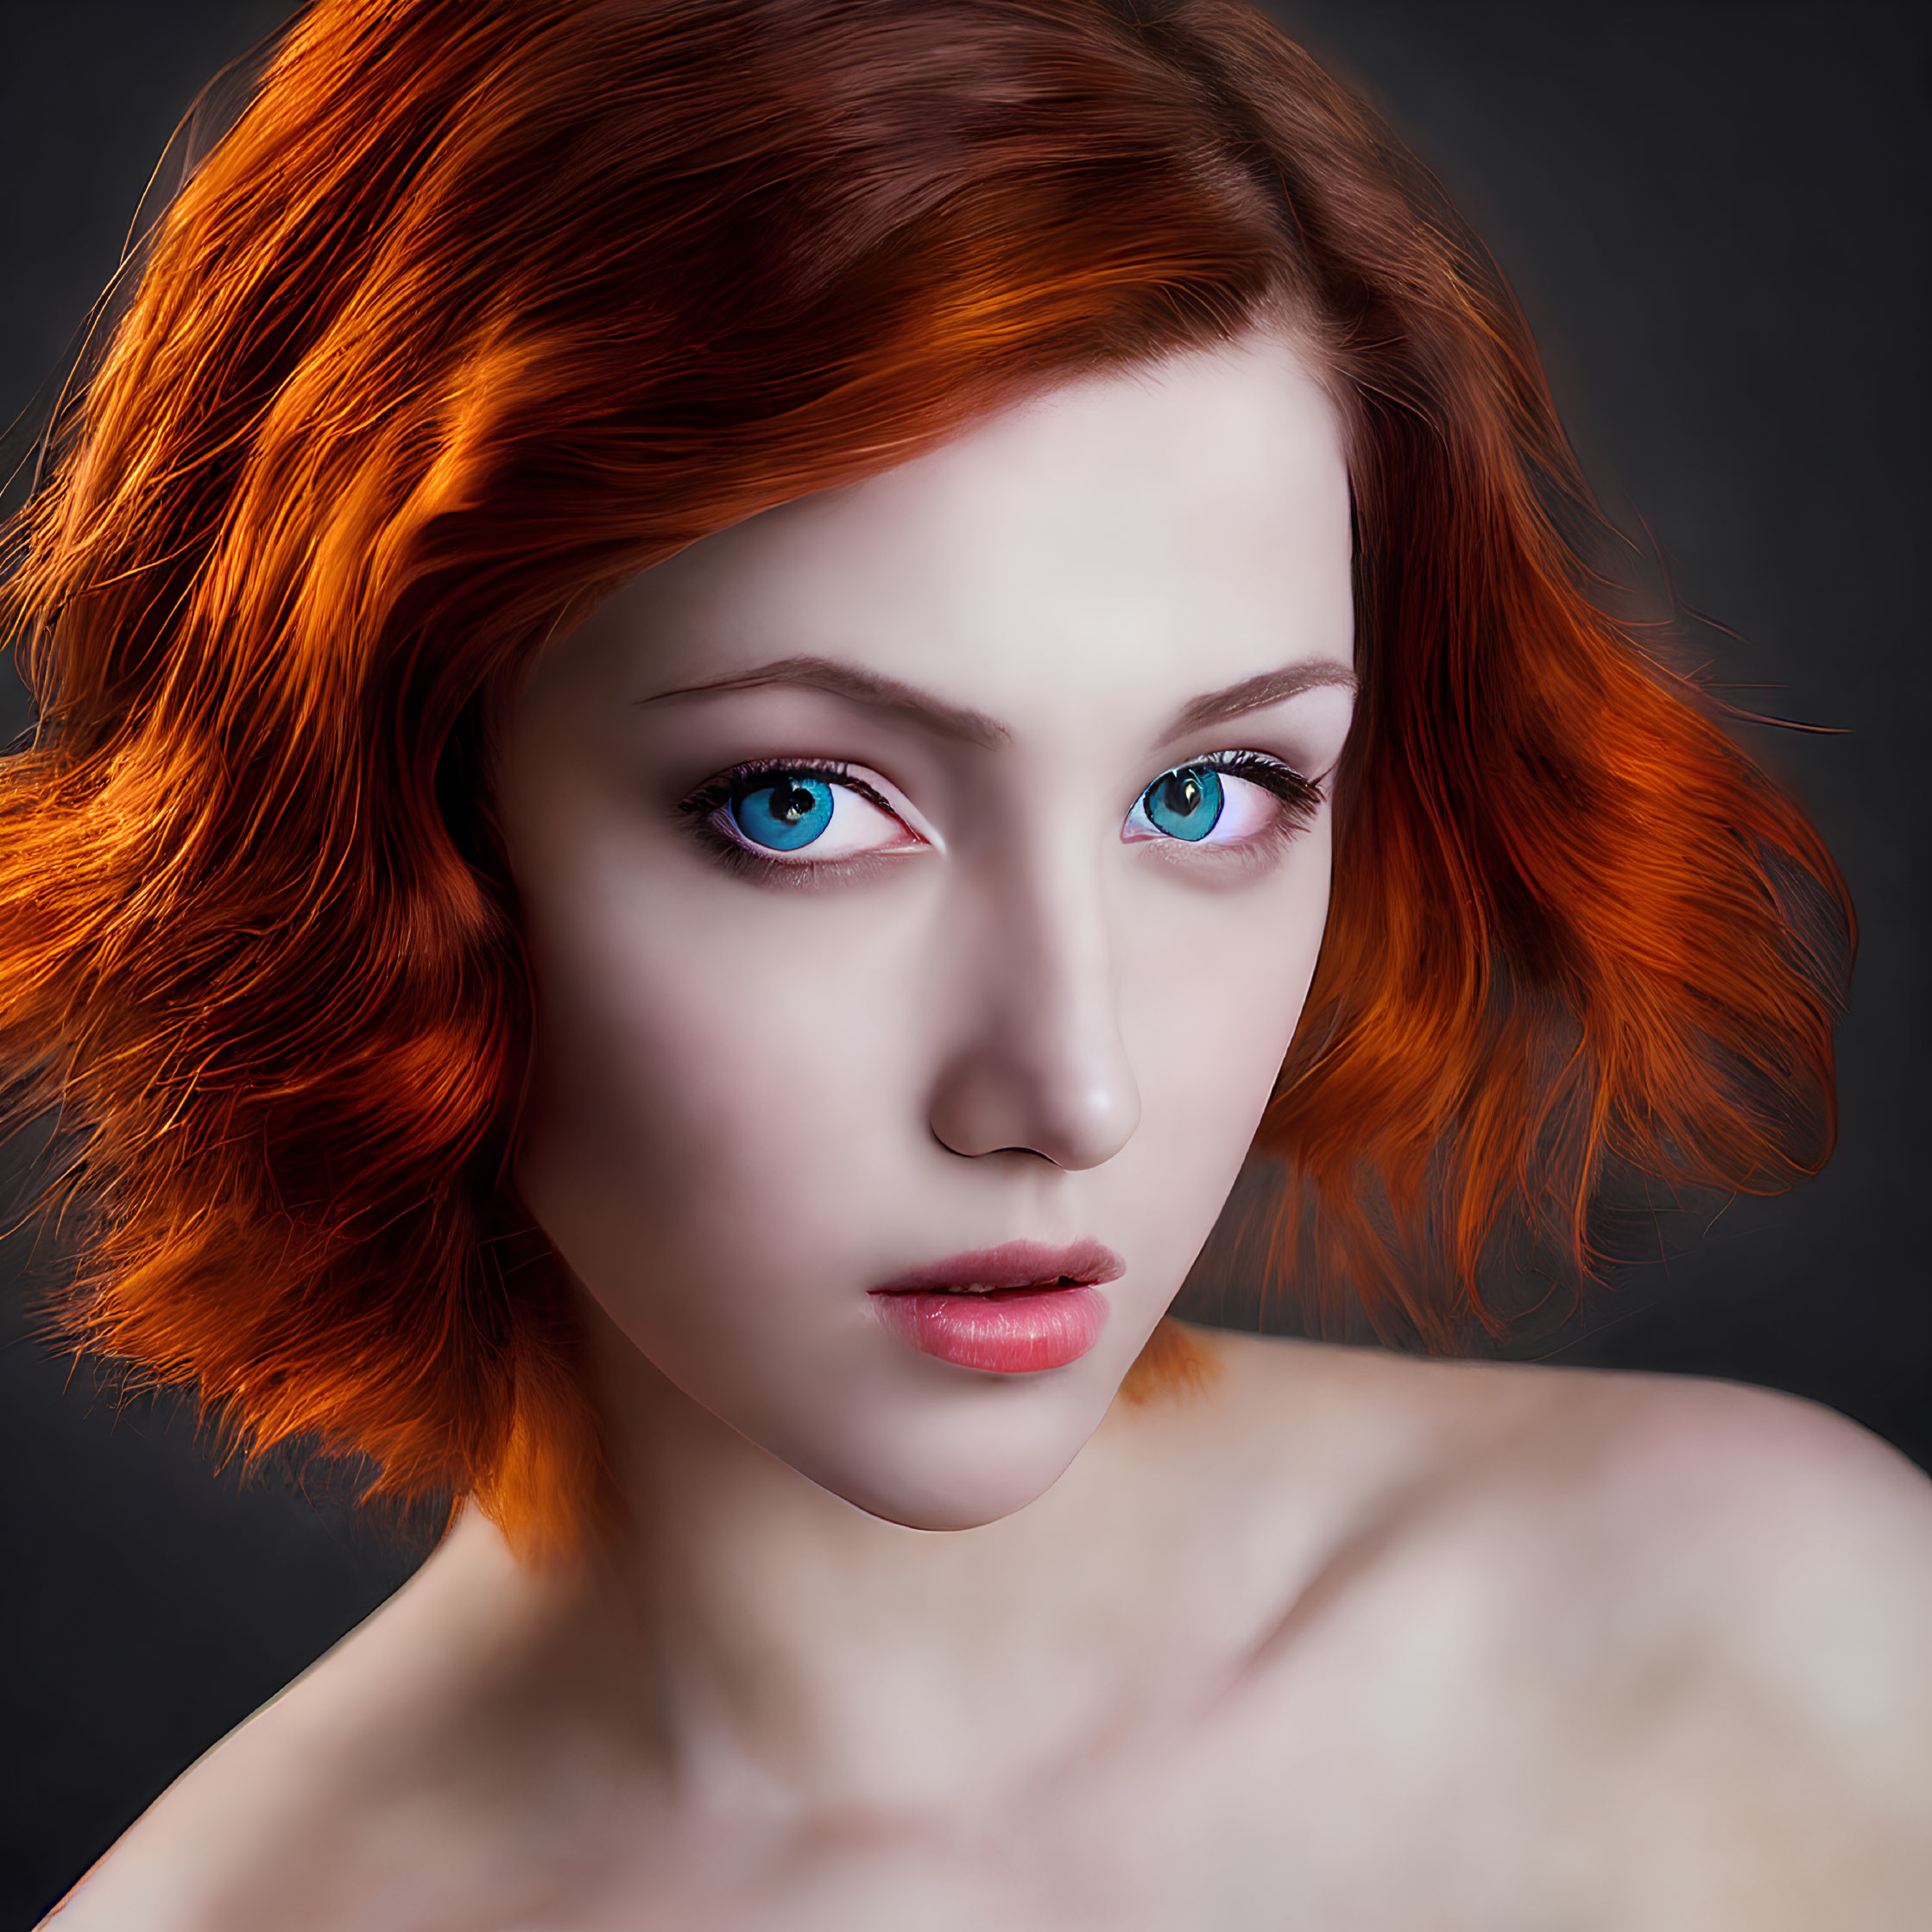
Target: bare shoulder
{"points": [[1801, 1545], [1695, 1614], [1799, 1539], [1765, 1572], [266, 1828], [338, 1801], [1781, 1496], [1766, 1518], [203, 1856]]}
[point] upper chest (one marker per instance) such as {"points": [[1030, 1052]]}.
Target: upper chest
{"points": [[1371, 1768]]}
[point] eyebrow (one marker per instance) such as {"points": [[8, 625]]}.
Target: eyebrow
{"points": [[860, 687], [1256, 694], [959, 722]]}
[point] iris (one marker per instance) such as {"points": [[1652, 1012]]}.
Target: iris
{"points": [[1184, 804], [785, 812]]}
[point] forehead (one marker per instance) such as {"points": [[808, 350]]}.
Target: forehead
{"points": [[1165, 529]]}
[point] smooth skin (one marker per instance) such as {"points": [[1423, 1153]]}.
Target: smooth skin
{"points": [[1338, 1640]]}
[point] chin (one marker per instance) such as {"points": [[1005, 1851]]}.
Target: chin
{"points": [[952, 1508], [953, 1472]]}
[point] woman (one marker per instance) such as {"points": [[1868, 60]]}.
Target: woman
{"points": [[699, 665]]}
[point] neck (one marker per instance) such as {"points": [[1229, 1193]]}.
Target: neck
{"points": [[768, 1638]]}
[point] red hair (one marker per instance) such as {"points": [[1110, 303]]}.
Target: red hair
{"points": [[478, 310]]}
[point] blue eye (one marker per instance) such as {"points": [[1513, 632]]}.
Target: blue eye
{"points": [[1184, 803], [785, 813], [812, 816]]}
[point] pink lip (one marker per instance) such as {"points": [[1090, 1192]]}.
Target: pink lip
{"points": [[1015, 1265], [1012, 1310]]}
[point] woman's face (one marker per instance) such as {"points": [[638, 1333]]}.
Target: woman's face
{"points": [[923, 880]]}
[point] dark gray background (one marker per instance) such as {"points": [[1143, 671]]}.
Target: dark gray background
{"points": [[1717, 217]]}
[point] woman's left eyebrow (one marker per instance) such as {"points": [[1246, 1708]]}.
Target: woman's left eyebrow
{"points": [[1256, 694]]}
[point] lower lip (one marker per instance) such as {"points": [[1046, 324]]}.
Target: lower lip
{"points": [[1010, 1331]]}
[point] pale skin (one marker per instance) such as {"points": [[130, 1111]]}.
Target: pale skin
{"points": [[1338, 1640]]}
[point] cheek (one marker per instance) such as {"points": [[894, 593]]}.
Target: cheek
{"points": [[707, 1102], [1211, 996]]}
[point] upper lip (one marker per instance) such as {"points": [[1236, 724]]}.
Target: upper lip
{"points": [[1015, 1265]]}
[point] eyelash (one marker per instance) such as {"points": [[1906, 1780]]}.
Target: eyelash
{"points": [[1300, 798]]}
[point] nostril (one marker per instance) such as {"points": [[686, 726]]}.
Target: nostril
{"points": [[994, 1101]]}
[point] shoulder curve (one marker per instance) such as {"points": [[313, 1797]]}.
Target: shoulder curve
{"points": [[1801, 1545], [201, 1858], [1749, 1482], [1795, 1545], [1771, 1503], [1761, 1457], [1714, 1599], [1685, 1442], [263, 1817]]}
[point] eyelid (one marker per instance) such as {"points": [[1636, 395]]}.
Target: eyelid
{"points": [[1293, 786]]}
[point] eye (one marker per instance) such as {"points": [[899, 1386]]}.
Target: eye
{"points": [[798, 815], [1229, 798]]}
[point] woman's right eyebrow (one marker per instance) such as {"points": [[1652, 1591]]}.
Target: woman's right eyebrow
{"points": [[867, 688]]}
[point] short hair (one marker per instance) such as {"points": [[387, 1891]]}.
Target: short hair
{"points": [[479, 310]]}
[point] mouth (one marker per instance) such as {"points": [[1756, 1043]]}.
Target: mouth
{"points": [[1028, 1264], [1012, 1310]]}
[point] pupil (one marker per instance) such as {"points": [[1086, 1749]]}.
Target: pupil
{"points": [[791, 803]]}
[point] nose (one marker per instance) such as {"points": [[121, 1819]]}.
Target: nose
{"points": [[1042, 1068]]}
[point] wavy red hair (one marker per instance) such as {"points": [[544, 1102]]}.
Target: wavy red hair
{"points": [[478, 310]]}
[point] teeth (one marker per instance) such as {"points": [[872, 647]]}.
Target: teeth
{"points": [[992, 1288]]}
